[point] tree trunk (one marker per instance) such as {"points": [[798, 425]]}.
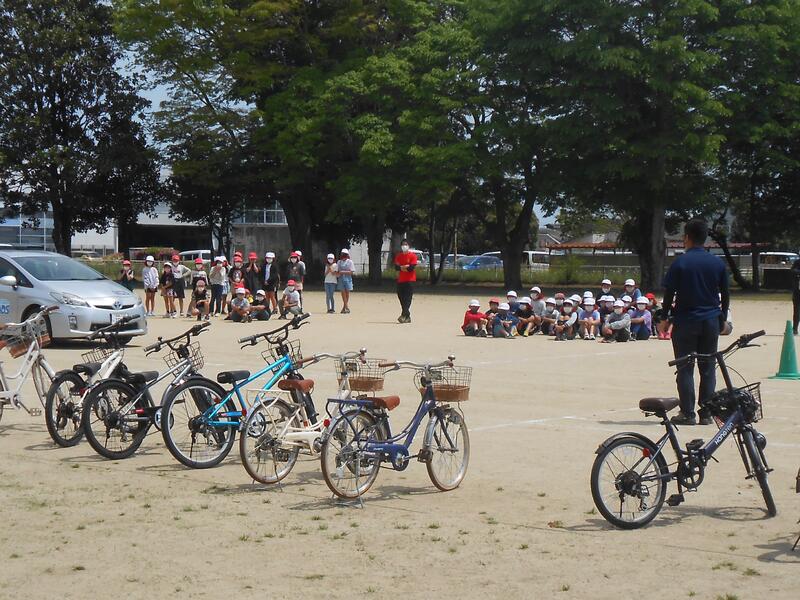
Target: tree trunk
{"points": [[298, 218], [651, 246], [374, 247], [394, 248], [123, 237], [62, 229], [722, 240]]}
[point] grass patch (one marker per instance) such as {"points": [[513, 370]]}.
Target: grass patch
{"points": [[316, 518], [433, 526], [314, 577], [491, 521], [565, 587], [400, 526], [339, 536], [323, 526], [436, 538], [452, 550], [727, 597], [14, 555], [80, 527], [75, 466], [78, 568], [187, 509], [244, 538], [523, 546], [353, 524], [751, 573], [724, 565], [556, 524]]}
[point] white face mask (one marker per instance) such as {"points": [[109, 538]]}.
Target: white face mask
{"points": [[606, 289], [269, 261], [567, 310], [618, 310], [290, 289], [629, 289], [201, 288], [404, 248], [559, 302], [511, 299], [641, 307], [260, 298], [588, 308], [330, 261], [237, 264]]}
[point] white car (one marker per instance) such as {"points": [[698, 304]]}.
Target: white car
{"points": [[87, 300], [191, 255]]}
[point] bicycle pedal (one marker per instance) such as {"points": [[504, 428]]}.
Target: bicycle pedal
{"points": [[35, 412], [675, 499], [694, 445]]}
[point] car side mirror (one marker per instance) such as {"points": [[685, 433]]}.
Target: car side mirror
{"points": [[9, 281]]}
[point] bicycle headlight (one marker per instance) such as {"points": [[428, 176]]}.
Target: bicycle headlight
{"points": [[68, 299]]}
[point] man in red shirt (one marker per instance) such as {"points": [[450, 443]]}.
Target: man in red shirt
{"points": [[406, 263]]}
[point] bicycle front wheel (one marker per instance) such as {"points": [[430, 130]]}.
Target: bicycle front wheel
{"points": [[629, 482], [266, 456], [348, 465], [188, 434], [759, 470], [62, 409], [42, 379], [114, 425], [447, 445]]}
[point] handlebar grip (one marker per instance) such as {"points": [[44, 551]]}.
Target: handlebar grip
{"points": [[299, 319], [749, 337], [199, 327], [49, 309], [247, 339], [308, 359], [152, 347], [681, 359], [387, 364]]}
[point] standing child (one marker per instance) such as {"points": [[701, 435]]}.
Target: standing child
{"points": [[297, 272], [605, 288], [252, 272], [167, 290], [474, 320], [272, 281], [198, 274], [216, 278], [226, 286], [181, 273], [126, 277], [236, 274], [150, 282], [331, 279], [345, 268]]}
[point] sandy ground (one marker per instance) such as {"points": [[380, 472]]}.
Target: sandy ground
{"points": [[522, 525]]}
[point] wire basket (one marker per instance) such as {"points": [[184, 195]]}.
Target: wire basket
{"points": [[19, 341], [753, 409], [274, 353], [450, 384], [97, 355], [193, 353], [362, 376]]}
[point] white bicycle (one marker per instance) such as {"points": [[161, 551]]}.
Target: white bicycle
{"points": [[62, 410], [26, 339], [279, 426]]}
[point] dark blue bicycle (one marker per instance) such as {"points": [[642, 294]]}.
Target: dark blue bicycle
{"points": [[359, 439], [630, 474], [204, 417]]}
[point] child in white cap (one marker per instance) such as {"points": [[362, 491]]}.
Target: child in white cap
{"points": [[605, 288], [641, 320], [504, 323], [549, 317], [150, 281], [474, 320], [565, 326], [331, 279], [617, 327], [589, 319], [525, 317], [631, 289], [511, 298]]}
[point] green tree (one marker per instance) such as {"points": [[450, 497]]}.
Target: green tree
{"points": [[68, 132]]}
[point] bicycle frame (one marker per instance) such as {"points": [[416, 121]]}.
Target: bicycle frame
{"points": [[33, 358], [182, 369]]}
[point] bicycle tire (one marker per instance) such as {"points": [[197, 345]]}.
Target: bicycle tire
{"points": [[637, 446], [100, 420], [759, 470], [41, 380], [63, 407], [333, 467], [203, 393], [437, 447], [266, 449]]}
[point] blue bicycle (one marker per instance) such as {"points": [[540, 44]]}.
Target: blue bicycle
{"points": [[204, 417], [359, 439]]}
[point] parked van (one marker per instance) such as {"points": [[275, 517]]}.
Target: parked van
{"points": [[191, 255], [532, 259]]}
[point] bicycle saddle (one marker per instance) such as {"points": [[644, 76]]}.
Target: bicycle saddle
{"points": [[301, 385], [232, 376], [386, 402], [141, 378], [657, 405], [89, 369]]}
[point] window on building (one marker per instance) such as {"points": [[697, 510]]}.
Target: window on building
{"points": [[272, 214]]}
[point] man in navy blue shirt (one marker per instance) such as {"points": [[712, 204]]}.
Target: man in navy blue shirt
{"points": [[698, 282]]}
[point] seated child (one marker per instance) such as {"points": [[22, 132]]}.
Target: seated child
{"points": [[525, 316], [605, 307], [259, 310], [617, 327], [511, 298], [201, 300], [663, 323], [631, 289], [628, 302], [549, 317], [290, 301], [641, 320], [652, 306], [494, 303], [504, 322], [565, 325], [537, 304], [589, 319], [474, 320], [559, 300], [240, 307]]}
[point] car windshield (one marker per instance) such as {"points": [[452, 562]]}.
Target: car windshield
{"points": [[57, 268]]}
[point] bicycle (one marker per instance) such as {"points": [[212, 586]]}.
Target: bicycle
{"points": [[204, 417], [119, 411], [64, 400], [277, 430], [27, 339], [360, 439], [630, 474]]}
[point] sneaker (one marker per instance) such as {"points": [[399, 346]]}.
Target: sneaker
{"points": [[331, 311], [206, 318], [481, 333], [705, 420], [400, 319], [591, 337], [586, 336], [347, 311], [682, 419]]}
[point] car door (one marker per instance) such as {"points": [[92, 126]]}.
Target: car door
{"points": [[9, 297]]}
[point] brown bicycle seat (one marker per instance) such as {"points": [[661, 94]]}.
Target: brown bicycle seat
{"points": [[303, 386], [657, 405], [386, 402]]}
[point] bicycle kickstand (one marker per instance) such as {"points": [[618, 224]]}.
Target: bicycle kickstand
{"points": [[797, 541]]}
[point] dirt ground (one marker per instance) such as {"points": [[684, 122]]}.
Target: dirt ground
{"points": [[522, 525]]}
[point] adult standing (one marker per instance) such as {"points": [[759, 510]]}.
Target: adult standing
{"points": [[795, 295], [405, 262], [345, 268], [698, 282]]}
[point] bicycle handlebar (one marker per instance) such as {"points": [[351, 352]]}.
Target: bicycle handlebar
{"points": [[111, 328], [35, 317], [323, 355], [194, 331], [252, 340], [399, 364], [742, 342]]}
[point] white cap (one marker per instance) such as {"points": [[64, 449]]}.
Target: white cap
{"points": [[536, 289], [569, 301], [606, 298], [474, 302], [619, 303], [609, 298], [512, 293], [525, 300], [260, 293], [503, 306], [605, 282], [345, 251], [550, 301], [150, 258], [269, 255], [240, 290], [642, 300], [331, 256], [627, 299], [299, 253], [575, 298], [630, 282], [589, 300], [588, 294]]}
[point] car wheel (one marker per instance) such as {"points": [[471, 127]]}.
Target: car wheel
{"points": [[124, 340], [34, 309]]}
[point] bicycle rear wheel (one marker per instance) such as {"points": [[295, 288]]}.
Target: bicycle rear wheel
{"points": [[41, 380], [447, 443], [759, 470], [629, 482], [348, 467], [266, 456], [62, 409], [188, 436], [110, 431]]}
